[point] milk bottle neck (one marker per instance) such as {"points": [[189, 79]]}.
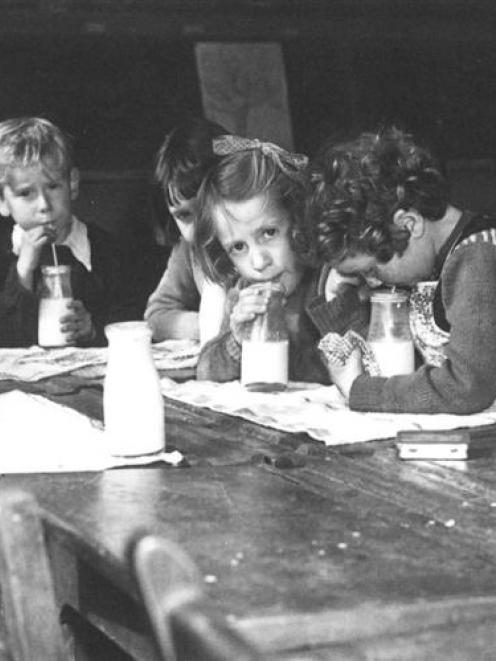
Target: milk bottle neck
{"points": [[389, 316], [55, 282], [131, 338]]}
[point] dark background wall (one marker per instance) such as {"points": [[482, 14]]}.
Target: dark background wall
{"points": [[118, 74]]}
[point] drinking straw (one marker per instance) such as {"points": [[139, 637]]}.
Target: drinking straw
{"points": [[57, 283]]}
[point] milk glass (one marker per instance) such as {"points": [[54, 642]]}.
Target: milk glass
{"points": [[133, 407], [55, 296], [265, 346], [389, 334]]}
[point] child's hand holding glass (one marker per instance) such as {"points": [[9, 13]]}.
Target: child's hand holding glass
{"points": [[252, 301], [77, 324], [346, 358], [343, 374]]}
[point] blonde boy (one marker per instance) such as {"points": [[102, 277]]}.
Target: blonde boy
{"points": [[38, 184]]}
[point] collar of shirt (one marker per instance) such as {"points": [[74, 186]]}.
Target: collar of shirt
{"points": [[77, 241]]}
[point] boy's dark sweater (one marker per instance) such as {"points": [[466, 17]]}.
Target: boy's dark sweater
{"points": [[104, 291]]}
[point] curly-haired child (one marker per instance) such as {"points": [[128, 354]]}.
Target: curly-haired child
{"points": [[379, 208]]}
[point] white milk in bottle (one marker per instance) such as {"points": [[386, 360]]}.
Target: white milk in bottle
{"points": [[133, 407]]}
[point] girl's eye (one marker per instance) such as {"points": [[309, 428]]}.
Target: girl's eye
{"points": [[270, 232], [237, 247]]}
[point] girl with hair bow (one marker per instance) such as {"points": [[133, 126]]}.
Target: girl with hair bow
{"points": [[249, 235]]}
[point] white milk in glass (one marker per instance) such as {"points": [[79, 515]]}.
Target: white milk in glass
{"points": [[50, 312], [264, 365], [394, 356], [55, 295]]}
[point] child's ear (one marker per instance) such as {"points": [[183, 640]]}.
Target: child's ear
{"points": [[74, 183], [410, 220]]}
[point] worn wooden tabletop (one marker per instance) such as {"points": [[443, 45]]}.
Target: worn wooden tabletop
{"points": [[300, 545]]}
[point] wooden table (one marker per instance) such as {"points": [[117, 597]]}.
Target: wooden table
{"points": [[343, 553]]}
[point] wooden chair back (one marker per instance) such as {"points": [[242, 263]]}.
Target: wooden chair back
{"points": [[30, 620], [186, 626]]}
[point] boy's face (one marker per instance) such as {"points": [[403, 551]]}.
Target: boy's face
{"points": [[414, 265], [37, 195], [256, 234], [183, 211]]}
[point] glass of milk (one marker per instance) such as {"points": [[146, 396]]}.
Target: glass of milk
{"points": [[265, 346], [55, 295], [389, 334]]}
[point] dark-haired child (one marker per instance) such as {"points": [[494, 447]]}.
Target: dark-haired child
{"points": [[379, 208], [38, 183], [250, 208], [183, 295]]}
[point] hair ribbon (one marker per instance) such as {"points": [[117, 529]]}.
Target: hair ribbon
{"points": [[232, 144]]}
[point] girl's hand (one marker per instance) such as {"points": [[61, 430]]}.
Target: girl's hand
{"points": [[77, 324], [344, 375], [32, 243], [252, 301]]}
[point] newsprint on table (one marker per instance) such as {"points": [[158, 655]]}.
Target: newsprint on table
{"points": [[328, 553]]}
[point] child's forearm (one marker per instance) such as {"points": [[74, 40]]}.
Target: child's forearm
{"points": [[25, 274]]}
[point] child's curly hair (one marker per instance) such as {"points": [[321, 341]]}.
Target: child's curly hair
{"points": [[238, 177], [356, 187]]}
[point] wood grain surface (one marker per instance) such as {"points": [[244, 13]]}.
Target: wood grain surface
{"points": [[302, 547]]}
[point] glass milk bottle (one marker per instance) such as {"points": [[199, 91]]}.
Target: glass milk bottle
{"points": [[389, 334], [133, 408], [265, 346], [55, 295]]}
